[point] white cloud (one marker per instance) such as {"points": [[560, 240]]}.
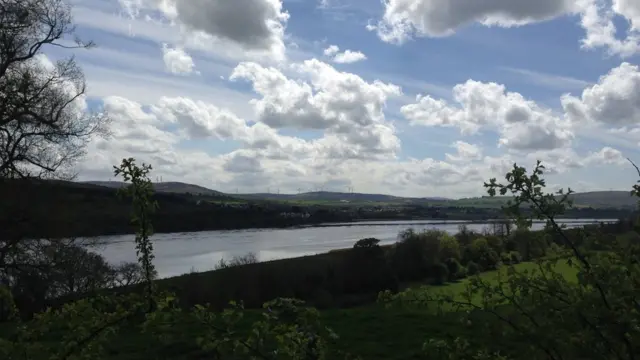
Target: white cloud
{"points": [[521, 123], [177, 61], [614, 100], [606, 155], [348, 57], [342, 104], [601, 31], [405, 19], [630, 9], [464, 152], [344, 57], [204, 23], [155, 133], [331, 50], [340, 127]]}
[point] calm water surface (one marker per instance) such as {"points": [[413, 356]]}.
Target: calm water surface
{"points": [[179, 253]]}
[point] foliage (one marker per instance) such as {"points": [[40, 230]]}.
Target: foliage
{"points": [[594, 315], [367, 243], [449, 248], [37, 272], [472, 268], [454, 269], [440, 273]]}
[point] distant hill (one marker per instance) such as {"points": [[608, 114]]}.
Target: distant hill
{"points": [[595, 199], [167, 187], [599, 199], [330, 196]]}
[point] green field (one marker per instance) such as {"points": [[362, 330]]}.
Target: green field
{"points": [[457, 288]]}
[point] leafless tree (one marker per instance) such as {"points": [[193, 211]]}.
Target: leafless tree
{"points": [[128, 273], [44, 122]]}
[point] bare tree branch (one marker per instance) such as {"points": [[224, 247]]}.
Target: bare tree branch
{"points": [[44, 122]]}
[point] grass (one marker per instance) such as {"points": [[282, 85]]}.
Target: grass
{"points": [[458, 288]]}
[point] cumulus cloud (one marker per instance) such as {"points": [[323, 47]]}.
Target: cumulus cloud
{"points": [[601, 31], [522, 124], [177, 61], [344, 57], [606, 155], [614, 100], [341, 104], [254, 25], [159, 134], [331, 50], [348, 57], [405, 19], [464, 152]]}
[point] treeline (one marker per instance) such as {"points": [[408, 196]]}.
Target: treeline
{"points": [[39, 209], [47, 209]]}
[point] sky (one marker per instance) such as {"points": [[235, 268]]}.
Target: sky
{"points": [[403, 97]]}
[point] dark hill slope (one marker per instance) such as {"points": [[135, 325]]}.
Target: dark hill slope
{"points": [[67, 209], [168, 187]]}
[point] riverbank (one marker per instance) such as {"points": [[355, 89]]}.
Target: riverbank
{"points": [[345, 277], [180, 253]]}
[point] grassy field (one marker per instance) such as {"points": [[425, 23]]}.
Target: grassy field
{"points": [[459, 287]]}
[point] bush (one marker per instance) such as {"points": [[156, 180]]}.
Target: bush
{"points": [[516, 258], [417, 252], [472, 268], [246, 259], [367, 243], [462, 273], [440, 273], [367, 269], [453, 267]]}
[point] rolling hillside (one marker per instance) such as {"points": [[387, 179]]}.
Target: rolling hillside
{"points": [[595, 199], [167, 187]]}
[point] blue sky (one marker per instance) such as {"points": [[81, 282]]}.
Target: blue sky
{"points": [[431, 98]]}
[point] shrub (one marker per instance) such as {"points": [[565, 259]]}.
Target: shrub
{"points": [[440, 273], [453, 267], [367, 269], [472, 268], [246, 259], [516, 258], [449, 247], [367, 243]]}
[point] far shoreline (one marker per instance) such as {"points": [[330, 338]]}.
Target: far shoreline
{"points": [[369, 222]]}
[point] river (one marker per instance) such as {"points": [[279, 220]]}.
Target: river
{"points": [[180, 253]]}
